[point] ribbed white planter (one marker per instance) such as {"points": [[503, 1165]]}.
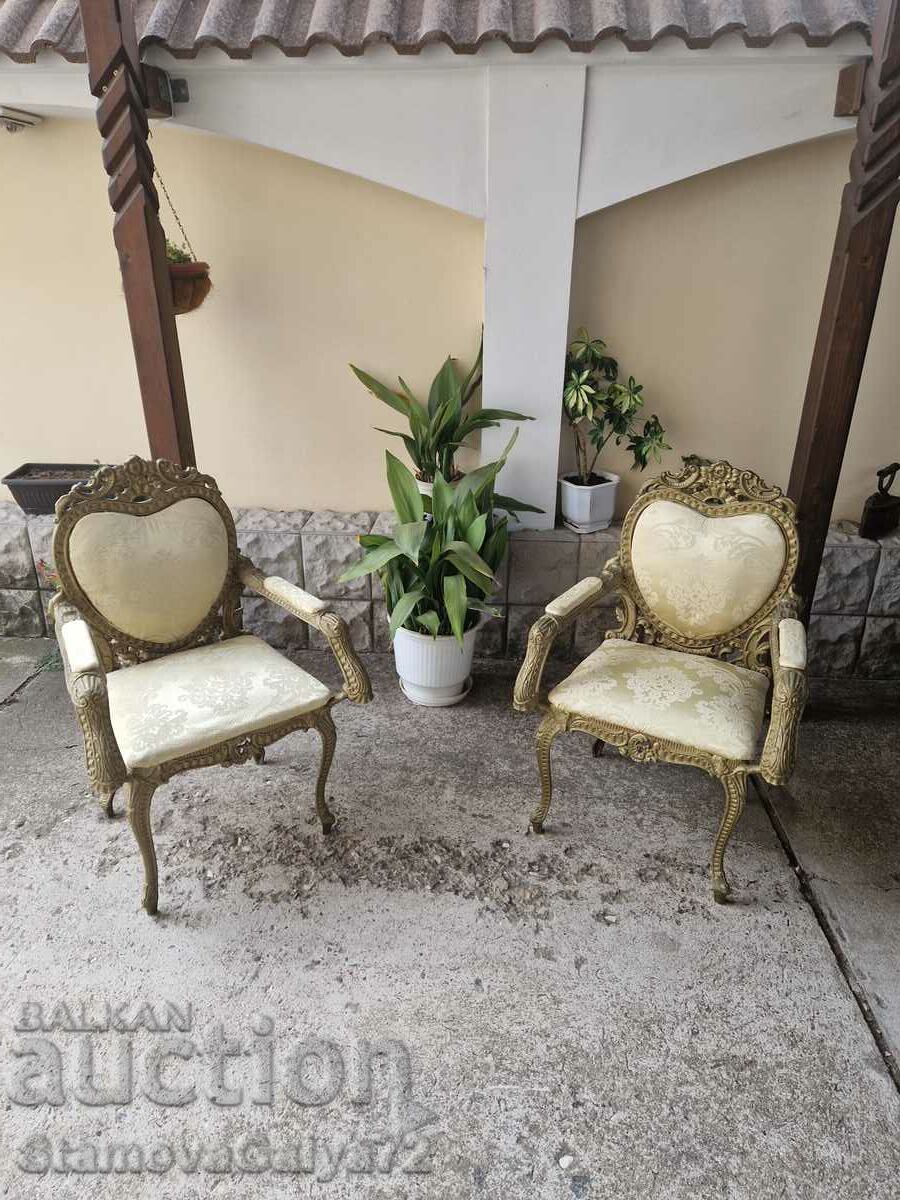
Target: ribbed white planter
{"points": [[588, 508], [435, 672]]}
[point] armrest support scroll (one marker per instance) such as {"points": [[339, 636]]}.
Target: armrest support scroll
{"points": [[787, 646], [86, 684]]}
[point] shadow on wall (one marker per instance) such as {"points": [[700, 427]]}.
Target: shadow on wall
{"points": [[709, 291]]}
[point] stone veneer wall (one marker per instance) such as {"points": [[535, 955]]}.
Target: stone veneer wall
{"points": [[854, 628]]}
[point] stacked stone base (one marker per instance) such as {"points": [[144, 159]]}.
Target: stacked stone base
{"points": [[854, 628]]}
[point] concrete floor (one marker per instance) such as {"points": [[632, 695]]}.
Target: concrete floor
{"points": [[580, 1019]]}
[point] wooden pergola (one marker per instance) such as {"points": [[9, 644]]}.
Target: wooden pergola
{"points": [[867, 212]]}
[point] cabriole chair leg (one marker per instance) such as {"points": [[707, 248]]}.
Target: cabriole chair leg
{"points": [[140, 794], [546, 735], [106, 799], [328, 734], [735, 786]]}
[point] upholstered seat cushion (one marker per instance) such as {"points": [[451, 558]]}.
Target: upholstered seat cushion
{"points": [[193, 699], [699, 701]]}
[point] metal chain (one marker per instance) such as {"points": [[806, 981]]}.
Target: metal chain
{"points": [[165, 191]]}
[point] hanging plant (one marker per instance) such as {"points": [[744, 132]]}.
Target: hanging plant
{"points": [[189, 278]]}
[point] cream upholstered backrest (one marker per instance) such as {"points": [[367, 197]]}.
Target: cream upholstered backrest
{"points": [[146, 551], [708, 553], [705, 575]]}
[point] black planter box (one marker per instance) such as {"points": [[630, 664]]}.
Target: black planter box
{"points": [[36, 495]]}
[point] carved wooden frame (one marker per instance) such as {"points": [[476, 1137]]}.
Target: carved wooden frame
{"points": [[141, 487], [717, 489]]}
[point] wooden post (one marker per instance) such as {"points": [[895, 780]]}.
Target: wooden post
{"points": [[116, 80], [851, 294]]}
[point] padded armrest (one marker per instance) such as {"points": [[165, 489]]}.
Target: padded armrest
{"points": [[295, 599], [578, 599], [77, 648], [315, 612], [579, 596], [791, 644]]}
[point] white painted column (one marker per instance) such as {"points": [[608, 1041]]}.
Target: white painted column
{"points": [[535, 117]]}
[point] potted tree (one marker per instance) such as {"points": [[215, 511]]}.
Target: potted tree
{"points": [[598, 407], [437, 429], [437, 571]]}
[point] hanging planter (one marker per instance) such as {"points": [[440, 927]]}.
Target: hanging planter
{"points": [[189, 279]]}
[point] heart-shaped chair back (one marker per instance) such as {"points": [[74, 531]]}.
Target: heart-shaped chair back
{"points": [[147, 551]]}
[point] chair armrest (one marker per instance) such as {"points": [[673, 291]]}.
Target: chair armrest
{"points": [[787, 647], [86, 684], [316, 613], [580, 598]]}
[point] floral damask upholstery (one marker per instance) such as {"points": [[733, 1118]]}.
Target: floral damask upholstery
{"points": [[193, 699], [160, 673], [707, 636], [156, 576], [715, 706], [703, 574]]}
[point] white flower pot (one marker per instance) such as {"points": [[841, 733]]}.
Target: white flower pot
{"points": [[437, 671], [588, 508]]}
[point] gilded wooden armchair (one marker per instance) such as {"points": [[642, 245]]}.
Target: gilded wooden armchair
{"points": [[148, 619], [708, 634]]}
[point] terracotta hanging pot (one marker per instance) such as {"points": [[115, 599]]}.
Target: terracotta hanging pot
{"points": [[190, 285]]}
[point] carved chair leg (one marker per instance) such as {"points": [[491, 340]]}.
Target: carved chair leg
{"points": [[106, 799], [597, 748], [259, 756], [328, 734], [140, 794], [546, 735], [735, 786]]}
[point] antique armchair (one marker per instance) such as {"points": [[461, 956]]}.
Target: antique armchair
{"points": [[148, 620], [708, 633]]}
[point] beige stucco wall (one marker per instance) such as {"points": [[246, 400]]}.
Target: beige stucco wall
{"points": [[311, 268], [709, 292]]}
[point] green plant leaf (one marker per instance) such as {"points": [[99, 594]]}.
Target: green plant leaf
{"points": [[511, 505], [472, 565], [494, 549], [373, 561], [475, 533], [430, 621], [404, 492], [403, 607], [443, 387], [456, 603], [370, 541], [473, 379], [441, 498], [409, 538]]}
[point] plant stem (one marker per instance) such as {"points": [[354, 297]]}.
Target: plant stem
{"points": [[597, 455]]}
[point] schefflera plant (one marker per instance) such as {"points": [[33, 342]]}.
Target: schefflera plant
{"points": [[438, 568]]}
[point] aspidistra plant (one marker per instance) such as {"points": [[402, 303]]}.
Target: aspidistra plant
{"points": [[438, 568], [438, 429]]}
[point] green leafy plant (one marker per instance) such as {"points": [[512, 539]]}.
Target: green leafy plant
{"points": [[438, 429], [175, 254], [438, 567], [599, 407]]}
